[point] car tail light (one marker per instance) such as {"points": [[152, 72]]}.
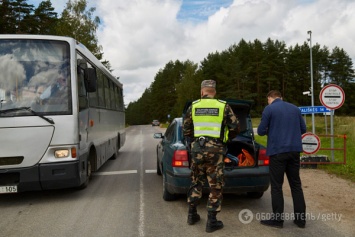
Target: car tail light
{"points": [[180, 159], [263, 158]]}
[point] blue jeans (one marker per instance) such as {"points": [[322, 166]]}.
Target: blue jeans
{"points": [[280, 164]]}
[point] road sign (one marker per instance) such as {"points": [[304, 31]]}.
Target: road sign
{"points": [[332, 96], [313, 110], [310, 143]]}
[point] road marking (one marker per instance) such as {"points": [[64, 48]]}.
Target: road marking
{"points": [[141, 192], [122, 172], [150, 171], [116, 172]]}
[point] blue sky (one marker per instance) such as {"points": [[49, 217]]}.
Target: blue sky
{"points": [[200, 10], [140, 36], [191, 10]]}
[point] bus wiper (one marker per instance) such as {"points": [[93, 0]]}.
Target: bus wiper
{"points": [[49, 120]]}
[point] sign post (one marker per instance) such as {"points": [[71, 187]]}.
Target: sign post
{"points": [[310, 143], [333, 97], [313, 109]]}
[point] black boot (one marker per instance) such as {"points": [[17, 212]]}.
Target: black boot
{"points": [[192, 217], [212, 222]]}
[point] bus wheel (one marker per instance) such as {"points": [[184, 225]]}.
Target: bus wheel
{"points": [[115, 155], [88, 171], [88, 175]]}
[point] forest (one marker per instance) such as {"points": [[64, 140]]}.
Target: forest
{"points": [[246, 70], [76, 21]]}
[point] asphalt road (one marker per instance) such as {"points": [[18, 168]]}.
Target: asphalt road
{"points": [[124, 198]]}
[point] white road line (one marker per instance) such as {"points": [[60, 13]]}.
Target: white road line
{"points": [[150, 171], [116, 172], [141, 192], [122, 172]]}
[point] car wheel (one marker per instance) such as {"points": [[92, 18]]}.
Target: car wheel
{"points": [[158, 167], [255, 195], [166, 195]]}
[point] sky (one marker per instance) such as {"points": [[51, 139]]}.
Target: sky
{"points": [[139, 37]]}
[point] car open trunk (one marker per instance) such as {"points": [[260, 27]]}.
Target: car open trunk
{"points": [[242, 147]]}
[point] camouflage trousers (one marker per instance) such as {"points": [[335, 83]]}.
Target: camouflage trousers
{"points": [[207, 165]]}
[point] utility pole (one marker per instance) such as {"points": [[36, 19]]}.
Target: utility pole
{"points": [[311, 66]]}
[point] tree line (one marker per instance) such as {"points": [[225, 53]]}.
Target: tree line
{"points": [[245, 70], [248, 71], [76, 21]]}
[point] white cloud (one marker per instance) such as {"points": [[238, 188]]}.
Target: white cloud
{"points": [[140, 36]]}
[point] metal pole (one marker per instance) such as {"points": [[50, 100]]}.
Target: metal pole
{"points": [[311, 89], [326, 125], [332, 132]]}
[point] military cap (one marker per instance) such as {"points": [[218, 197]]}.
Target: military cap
{"points": [[208, 83]]}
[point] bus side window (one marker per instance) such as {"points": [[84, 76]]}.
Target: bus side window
{"points": [[81, 86], [83, 101], [101, 90]]}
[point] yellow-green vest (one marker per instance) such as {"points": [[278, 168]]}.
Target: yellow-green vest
{"points": [[207, 116]]}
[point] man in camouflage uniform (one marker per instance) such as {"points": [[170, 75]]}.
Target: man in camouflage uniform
{"points": [[208, 124]]}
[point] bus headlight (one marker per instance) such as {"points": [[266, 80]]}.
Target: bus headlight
{"points": [[61, 153]]}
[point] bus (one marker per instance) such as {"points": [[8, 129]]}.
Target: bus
{"points": [[61, 113]]}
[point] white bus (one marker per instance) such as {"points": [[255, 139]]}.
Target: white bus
{"points": [[61, 113]]}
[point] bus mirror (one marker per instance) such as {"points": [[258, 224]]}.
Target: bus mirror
{"points": [[90, 79]]}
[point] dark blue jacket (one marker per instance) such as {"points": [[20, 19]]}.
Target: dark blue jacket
{"points": [[282, 122]]}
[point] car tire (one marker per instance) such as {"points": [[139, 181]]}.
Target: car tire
{"points": [[255, 195], [158, 167], [166, 195]]}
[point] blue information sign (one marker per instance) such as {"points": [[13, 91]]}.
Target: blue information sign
{"points": [[314, 110]]}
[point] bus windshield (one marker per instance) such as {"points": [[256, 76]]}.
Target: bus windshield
{"points": [[34, 74]]}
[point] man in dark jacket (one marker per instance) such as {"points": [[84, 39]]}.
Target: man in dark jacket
{"points": [[282, 122], [208, 123]]}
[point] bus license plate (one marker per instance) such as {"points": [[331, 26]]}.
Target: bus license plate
{"points": [[8, 189]]}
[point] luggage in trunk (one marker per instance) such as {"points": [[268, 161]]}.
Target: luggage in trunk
{"points": [[240, 154]]}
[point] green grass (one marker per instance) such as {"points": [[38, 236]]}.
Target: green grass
{"points": [[342, 126], [164, 125]]}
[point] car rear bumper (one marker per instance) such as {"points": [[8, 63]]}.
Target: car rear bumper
{"points": [[236, 181]]}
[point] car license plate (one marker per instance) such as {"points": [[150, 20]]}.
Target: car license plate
{"points": [[8, 189]]}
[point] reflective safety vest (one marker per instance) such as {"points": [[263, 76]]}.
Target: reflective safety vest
{"points": [[207, 116]]}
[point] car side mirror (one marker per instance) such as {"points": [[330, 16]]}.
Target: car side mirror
{"points": [[158, 135]]}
